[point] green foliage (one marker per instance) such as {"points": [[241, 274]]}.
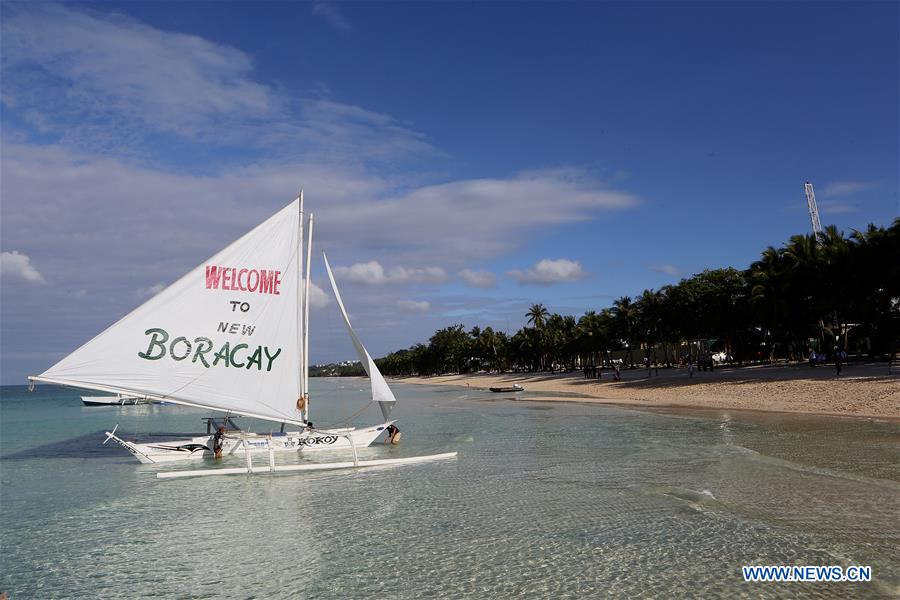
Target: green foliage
{"points": [[351, 369], [810, 293]]}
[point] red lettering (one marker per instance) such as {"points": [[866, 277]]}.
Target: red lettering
{"points": [[242, 279], [266, 281], [213, 275], [277, 283]]}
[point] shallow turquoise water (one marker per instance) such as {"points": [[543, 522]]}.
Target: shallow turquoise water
{"points": [[545, 500]]}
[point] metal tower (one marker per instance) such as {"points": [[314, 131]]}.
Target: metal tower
{"points": [[813, 209]]}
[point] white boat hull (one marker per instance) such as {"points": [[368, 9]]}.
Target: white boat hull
{"points": [[239, 443], [115, 400]]}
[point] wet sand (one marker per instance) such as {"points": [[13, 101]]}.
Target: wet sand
{"points": [[862, 390]]}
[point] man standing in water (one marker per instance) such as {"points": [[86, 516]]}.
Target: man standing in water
{"points": [[217, 442]]}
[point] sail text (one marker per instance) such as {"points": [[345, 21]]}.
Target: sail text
{"points": [[261, 281], [200, 350]]}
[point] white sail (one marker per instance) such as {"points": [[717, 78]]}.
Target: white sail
{"points": [[224, 336], [381, 393]]}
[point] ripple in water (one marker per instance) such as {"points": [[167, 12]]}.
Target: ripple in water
{"points": [[578, 501]]}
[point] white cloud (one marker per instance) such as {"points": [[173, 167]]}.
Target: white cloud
{"points": [[846, 188], [112, 62], [332, 16], [478, 279], [168, 222], [416, 275], [372, 273], [837, 207], [548, 272], [104, 81], [667, 269], [422, 306], [149, 292], [113, 96], [481, 218], [317, 296], [13, 264]]}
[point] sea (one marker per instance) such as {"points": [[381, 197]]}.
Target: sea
{"points": [[545, 500]]}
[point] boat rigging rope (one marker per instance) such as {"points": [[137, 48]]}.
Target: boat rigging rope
{"points": [[347, 420]]}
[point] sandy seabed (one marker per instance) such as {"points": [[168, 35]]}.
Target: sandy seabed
{"points": [[862, 390]]}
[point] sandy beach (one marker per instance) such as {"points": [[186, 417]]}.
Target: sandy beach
{"points": [[862, 390]]}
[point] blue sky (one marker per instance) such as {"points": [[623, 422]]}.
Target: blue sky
{"points": [[464, 160]]}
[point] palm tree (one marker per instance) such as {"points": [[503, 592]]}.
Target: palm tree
{"points": [[537, 315], [768, 293], [808, 294], [625, 315], [649, 320]]}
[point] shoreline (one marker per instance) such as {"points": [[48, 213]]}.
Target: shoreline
{"points": [[862, 390]]}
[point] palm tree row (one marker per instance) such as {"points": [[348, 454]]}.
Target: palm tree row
{"points": [[819, 293]]}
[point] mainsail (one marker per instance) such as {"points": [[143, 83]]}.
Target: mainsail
{"points": [[224, 336], [381, 393]]}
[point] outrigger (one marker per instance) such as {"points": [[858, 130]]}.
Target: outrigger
{"points": [[258, 366]]}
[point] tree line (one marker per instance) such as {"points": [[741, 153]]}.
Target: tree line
{"points": [[817, 292]]}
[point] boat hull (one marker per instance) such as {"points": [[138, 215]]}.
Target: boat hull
{"points": [[239, 443], [114, 400]]}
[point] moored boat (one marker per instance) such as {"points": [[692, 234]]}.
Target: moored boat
{"points": [[512, 388], [118, 400]]}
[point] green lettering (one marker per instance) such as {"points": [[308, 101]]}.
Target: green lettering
{"points": [[236, 348], [204, 345], [224, 353], [172, 348], [158, 337], [271, 357], [256, 357]]}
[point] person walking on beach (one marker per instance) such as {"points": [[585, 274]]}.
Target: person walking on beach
{"points": [[691, 369], [838, 361], [617, 375]]}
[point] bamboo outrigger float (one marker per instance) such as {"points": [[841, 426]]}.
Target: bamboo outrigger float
{"points": [[232, 336]]}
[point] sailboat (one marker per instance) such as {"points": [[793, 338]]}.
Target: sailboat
{"points": [[232, 335]]}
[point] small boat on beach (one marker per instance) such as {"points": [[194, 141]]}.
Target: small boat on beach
{"points": [[513, 388]]}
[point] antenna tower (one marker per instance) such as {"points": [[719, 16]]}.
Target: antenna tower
{"points": [[813, 209]]}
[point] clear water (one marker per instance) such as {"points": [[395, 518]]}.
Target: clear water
{"points": [[545, 500]]}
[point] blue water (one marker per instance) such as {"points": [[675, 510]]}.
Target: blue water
{"points": [[545, 500]]}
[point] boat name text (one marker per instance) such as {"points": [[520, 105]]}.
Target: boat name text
{"points": [[238, 279], [181, 348]]}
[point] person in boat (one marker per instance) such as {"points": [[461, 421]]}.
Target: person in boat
{"points": [[393, 433], [217, 441]]}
